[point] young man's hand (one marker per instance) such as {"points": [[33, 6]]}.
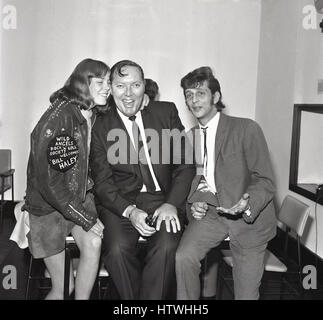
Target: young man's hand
{"points": [[238, 208]]}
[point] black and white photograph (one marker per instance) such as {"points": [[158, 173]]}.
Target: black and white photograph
{"points": [[158, 156]]}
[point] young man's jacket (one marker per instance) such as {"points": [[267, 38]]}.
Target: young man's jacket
{"points": [[242, 165]]}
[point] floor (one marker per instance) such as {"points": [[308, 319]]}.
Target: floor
{"points": [[14, 272]]}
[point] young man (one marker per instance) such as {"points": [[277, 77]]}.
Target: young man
{"points": [[128, 191], [233, 171]]}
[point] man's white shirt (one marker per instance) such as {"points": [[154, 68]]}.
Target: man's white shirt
{"points": [[128, 124], [208, 171]]}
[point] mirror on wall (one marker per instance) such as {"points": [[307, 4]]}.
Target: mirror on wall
{"points": [[306, 161]]}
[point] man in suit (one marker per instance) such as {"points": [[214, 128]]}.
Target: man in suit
{"points": [[231, 194], [135, 180]]}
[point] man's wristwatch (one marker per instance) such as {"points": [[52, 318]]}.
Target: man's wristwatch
{"points": [[248, 212]]}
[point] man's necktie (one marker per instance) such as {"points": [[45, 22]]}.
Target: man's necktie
{"points": [[205, 152], [142, 160]]}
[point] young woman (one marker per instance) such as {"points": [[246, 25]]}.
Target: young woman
{"points": [[58, 196]]}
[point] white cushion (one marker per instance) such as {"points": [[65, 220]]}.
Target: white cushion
{"points": [[227, 257], [272, 263], [102, 272]]}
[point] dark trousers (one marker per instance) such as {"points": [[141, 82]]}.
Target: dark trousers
{"points": [[154, 277]]}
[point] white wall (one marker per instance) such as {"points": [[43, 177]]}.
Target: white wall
{"points": [[167, 37], [290, 63]]}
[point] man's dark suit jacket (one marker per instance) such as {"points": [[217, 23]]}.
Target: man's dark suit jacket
{"points": [[118, 184]]}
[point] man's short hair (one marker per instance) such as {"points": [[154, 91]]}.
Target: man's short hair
{"points": [[117, 68], [151, 89], [197, 77]]}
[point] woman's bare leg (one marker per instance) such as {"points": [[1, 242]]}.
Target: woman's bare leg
{"points": [[89, 245], [55, 265]]}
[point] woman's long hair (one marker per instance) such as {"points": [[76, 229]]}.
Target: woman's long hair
{"points": [[77, 85]]}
